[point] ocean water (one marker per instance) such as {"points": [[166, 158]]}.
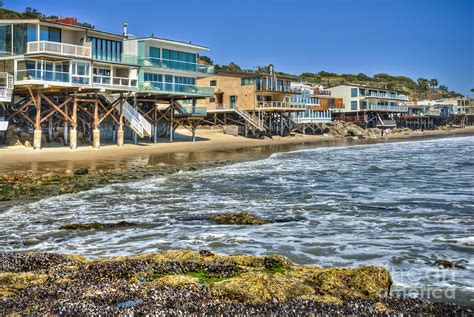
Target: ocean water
{"points": [[401, 205]]}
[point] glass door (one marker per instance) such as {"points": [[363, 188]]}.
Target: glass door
{"points": [[232, 100]]}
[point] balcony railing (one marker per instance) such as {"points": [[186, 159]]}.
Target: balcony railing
{"points": [[162, 63], [313, 116], [59, 49], [280, 104], [164, 87], [67, 78], [387, 95], [384, 107], [114, 81], [277, 88]]}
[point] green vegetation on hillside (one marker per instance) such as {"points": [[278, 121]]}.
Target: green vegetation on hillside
{"points": [[31, 13]]}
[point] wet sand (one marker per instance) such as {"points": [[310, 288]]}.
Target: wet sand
{"points": [[209, 146]]}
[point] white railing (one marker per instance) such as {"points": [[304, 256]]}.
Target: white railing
{"points": [[385, 107], [313, 116], [138, 123], [59, 48], [252, 119], [279, 104], [387, 95], [114, 81]]}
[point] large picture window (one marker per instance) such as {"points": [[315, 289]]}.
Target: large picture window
{"points": [[106, 50], [50, 34], [179, 60]]}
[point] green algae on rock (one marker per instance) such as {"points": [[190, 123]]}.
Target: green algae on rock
{"points": [[96, 225], [243, 218], [178, 282]]}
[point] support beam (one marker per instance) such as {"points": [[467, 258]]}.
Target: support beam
{"points": [[135, 104], [120, 135], [73, 132], [37, 132], [96, 132]]}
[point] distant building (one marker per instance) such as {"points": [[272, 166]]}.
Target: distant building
{"points": [[441, 107], [318, 102], [358, 97]]}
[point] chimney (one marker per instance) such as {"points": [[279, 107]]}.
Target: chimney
{"points": [[125, 29]]}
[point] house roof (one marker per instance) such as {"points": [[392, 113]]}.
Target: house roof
{"points": [[168, 41], [367, 86], [250, 74], [55, 23]]}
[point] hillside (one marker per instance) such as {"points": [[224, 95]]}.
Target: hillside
{"points": [[417, 90], [30, 13]]}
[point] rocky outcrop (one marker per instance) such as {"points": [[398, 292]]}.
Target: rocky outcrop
{"points": [[183, 282]]}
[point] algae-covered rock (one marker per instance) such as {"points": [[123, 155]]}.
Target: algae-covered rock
{"points": [[263, 287], [96, 225], [187, 282], [243, 218], [12, 283], [445, 264], [363, 282]]}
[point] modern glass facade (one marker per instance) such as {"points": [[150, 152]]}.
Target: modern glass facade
{"points": [[13, 39], [106, 50]]}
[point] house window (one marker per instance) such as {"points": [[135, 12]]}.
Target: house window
{"points": [[179, 60], [154, 52], [212, 99], [247, 81], [213, 83], [354, 92], [50, 34], [185, 80], [354, 104], [106, 49], [153, 77]]}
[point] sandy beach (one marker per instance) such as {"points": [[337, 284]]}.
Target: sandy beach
{"points": [[210, 145]]}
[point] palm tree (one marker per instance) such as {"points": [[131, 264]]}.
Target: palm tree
{"points": [[433, 83]]}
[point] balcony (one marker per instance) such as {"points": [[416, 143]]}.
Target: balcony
{"points": [[277, 88], [56, 48], [280, 105], [386, 96], [166, 64], [51, 76], [173, 88], [109, 81], [314, 117], [186, 109], [385, 107]]}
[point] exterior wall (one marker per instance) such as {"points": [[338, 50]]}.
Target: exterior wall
{"points": [[73, 37], [227, 86], [344, 92]]}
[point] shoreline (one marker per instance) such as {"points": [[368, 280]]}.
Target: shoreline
{"points": [[134, 169], [212, 146]]}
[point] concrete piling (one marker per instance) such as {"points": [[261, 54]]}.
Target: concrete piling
{"points": [[37, 139], [73, 139], [96, 138]]}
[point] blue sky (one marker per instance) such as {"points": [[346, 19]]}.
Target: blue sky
{"points": [[416, 38]]}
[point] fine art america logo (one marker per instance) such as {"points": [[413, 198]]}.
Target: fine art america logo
{"points": [[410, 282]]}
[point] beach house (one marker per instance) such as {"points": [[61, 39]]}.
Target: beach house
{"points": [[370, 106], [60, 73], [318, 102], [363, 97], [258, 102]]}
